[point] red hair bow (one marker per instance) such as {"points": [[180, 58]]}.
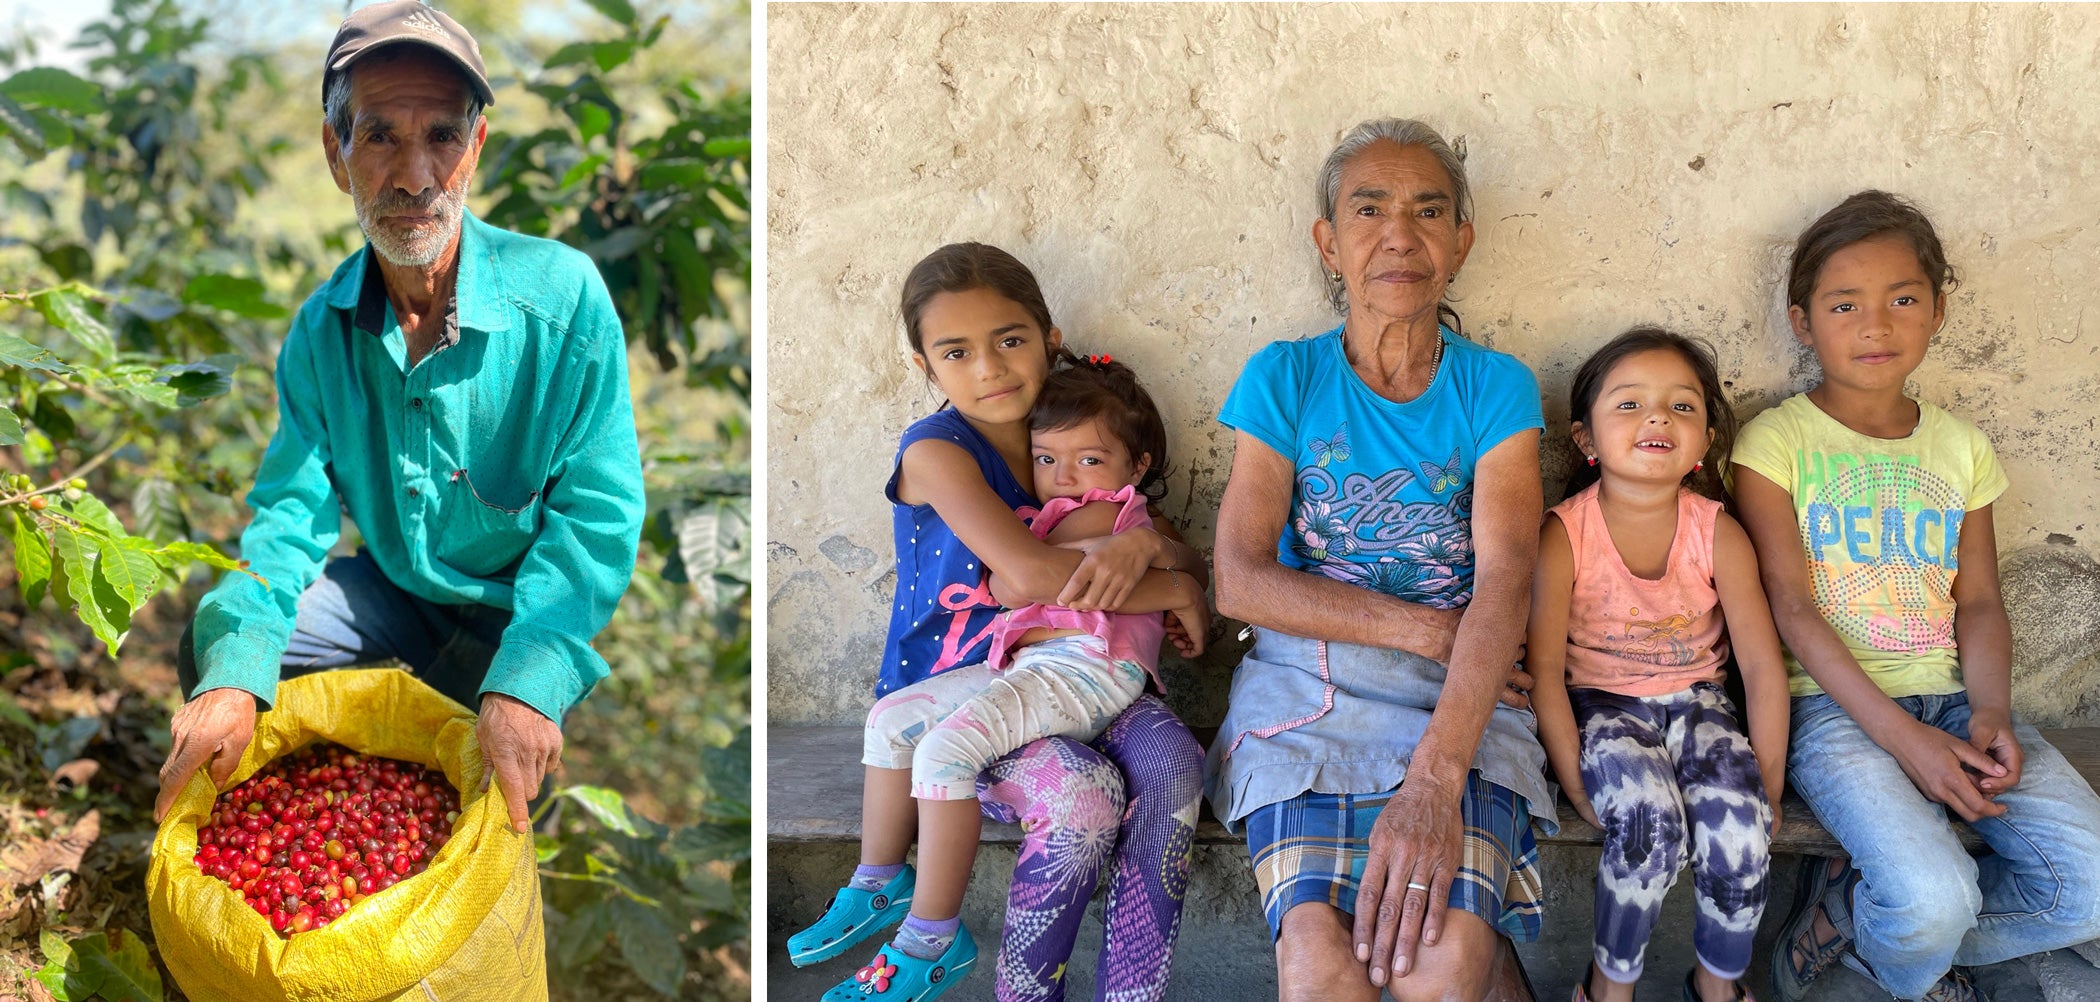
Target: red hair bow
{"points": [[1099, 359]]}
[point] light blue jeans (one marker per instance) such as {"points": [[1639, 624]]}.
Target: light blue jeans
{"points": [[1923, 904]]}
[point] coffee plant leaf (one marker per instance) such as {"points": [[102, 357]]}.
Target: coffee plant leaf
{"points": [[648, 944]]}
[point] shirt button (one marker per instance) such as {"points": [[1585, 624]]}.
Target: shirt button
{"points": [[416, 403], [412, 492]]}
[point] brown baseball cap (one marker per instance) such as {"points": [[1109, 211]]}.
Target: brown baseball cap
{"points": [[397, 22]]}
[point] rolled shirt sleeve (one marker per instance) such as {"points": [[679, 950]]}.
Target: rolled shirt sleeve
{"points": [[243, 625], [571, 578]]}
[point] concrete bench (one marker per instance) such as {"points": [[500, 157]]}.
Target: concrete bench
{"points": [[814, 796], [813, 825]]}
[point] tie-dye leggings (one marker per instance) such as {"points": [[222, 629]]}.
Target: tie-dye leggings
{"points": [[1654, 766], [1129, 797]]}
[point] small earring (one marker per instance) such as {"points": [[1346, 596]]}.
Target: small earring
{"points": [[1593, 460], [1700, 465], [1334, 276]]}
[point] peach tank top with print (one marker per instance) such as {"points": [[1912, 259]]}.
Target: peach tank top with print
{"points": [[1633, 636]]}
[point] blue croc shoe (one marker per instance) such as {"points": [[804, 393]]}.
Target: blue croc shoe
{"points": [[853, 916], [896, 976]]}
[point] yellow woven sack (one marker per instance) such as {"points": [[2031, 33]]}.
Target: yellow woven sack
{"points": [[464, 930]]}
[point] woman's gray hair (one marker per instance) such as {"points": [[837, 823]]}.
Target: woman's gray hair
{"points": [[335, 104], [1403, 132]]}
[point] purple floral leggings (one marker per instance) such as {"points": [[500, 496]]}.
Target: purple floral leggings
{"points": [[1127, 799]]}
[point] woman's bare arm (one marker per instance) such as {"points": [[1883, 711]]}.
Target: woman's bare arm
{"points": [[1253, 587]]}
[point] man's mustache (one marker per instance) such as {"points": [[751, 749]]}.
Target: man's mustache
{"points": [[424, 204]]}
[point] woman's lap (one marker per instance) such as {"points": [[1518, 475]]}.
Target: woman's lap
{"points": [[1313, 847]]}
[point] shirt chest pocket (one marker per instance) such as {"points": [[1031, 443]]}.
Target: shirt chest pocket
{"points": [[486, 532]]}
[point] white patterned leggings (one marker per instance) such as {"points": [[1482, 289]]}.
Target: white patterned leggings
{"points": [[949, 727], [1673, 776]]}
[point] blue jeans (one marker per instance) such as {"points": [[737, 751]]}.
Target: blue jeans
{"points": [[1922, 904], [353, 615]]}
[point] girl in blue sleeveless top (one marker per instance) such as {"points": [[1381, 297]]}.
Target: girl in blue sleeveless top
{"points": [[980, 331]]}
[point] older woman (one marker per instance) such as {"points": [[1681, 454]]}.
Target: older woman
{"points": [[1379, 525]]}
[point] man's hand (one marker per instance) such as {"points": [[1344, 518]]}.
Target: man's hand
{"points": [[214, 727], [521, 747]]}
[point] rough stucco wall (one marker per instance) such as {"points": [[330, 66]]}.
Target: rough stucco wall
{"points": [[1630, 163]]}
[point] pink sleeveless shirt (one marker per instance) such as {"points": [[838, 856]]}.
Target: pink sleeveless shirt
{"points": [[1131, 636], [1633, 636]]}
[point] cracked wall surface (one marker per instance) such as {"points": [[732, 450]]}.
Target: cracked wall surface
{"points": [[1154, 165]]}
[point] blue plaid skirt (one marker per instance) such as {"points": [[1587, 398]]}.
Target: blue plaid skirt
{"points": [[1313, 847]]}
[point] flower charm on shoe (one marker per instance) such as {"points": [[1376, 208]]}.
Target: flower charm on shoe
{"points": [[875, 977]]}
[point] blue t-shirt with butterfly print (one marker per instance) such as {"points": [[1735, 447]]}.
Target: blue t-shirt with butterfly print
{"points": [[1383, 497]]}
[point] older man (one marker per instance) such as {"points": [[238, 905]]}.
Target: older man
{"points": [[461, 392]]}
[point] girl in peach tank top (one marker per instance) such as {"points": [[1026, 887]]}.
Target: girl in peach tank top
{"points": [[1643, 588]]}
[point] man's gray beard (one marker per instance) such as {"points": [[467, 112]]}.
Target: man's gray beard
{"points": [[420, 251]]}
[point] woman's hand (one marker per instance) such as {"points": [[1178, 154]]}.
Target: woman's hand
{"points": [[1414, 854], [1935, 760], [1111, 567], [1776, 819], [1516, 689]]}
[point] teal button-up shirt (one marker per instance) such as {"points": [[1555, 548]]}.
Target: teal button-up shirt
{"points": [[501, 469]]}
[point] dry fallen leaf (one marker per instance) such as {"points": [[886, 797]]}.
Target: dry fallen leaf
{"points": [[74, 773], [28, 861]]}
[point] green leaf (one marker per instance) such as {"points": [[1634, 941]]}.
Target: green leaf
{"points": [[156, 510], [77, 554], [69, 261], [66, 311], [675, 172], [51, 416], [604, 804], [609, 55], [574, 52], [592, 119], [545, 848], [113, 966], [18, 123], [32, 558], [195, 382], [91, 510], [14, 714], [584, 168], [620, 11], [244, 296], [10, 428], [51, 87], [649, 945], [713, 841], [200, 553], [712, 534], [710, 891], [582, 937], [21, 354], [724, 148], [130, 574], [618, 244]]}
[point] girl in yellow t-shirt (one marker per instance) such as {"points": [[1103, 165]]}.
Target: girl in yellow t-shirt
{"points": [[1871, 514]]}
